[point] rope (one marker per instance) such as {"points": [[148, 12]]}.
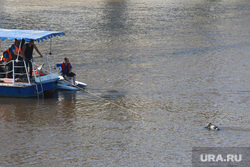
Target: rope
{"points": [[124, 108], [92, 94]]}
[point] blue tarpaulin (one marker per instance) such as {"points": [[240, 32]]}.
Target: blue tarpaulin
{"points": [[28, 35]]}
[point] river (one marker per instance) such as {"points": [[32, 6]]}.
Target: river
{"points": [[157, 72]]}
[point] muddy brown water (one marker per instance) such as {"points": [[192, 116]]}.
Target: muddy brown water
{"points": [[157, 72]]}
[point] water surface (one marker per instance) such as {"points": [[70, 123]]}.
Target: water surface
{"points": [[157, 72]]}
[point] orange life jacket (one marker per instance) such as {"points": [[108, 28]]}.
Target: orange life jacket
{"points": [[63, 67], [37, 72], [17, 49], [3, 58]]}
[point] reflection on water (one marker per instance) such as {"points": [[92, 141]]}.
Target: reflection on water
{"points": [[114, 16], [157, 73]]}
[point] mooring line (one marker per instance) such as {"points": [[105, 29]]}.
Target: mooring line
{"points": [[124, 108], [83, 89]]}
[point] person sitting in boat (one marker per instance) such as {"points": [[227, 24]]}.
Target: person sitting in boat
{"points": [[66, 70], [6, 57], [28, 54]]}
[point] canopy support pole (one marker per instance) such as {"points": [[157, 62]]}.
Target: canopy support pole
{"points": [[13, 71], [18, 54], [27, 73]]}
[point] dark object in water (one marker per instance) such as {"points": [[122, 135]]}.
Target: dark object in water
{"points": [[211, 126]]}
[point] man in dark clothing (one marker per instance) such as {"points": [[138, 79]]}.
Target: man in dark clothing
{"points": [[28, 52]]}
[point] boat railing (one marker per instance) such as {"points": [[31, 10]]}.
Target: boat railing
{"points": [[50, 63], [15, 70], [3, 72]]}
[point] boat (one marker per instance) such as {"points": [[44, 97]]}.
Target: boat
{"points": [[62, 84], [20, 84], [65, 85]]}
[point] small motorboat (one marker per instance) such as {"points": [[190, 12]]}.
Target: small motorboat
{"points": [[62, 84], [46, 78], [65, 85], [17, 83]]}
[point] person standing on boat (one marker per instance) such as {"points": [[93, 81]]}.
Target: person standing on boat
{"points": [[28, 52], [16, 50], [66, 70], [16, 53]]}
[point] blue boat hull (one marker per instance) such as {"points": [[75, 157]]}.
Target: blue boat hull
{"points": [[26, 91]]}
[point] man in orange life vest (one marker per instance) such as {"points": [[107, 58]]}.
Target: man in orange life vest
{"points": [[6, 56], [16, 53], [15, 50], [66, 70]]}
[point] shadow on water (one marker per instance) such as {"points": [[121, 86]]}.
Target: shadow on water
{"points": [[88, 93]]}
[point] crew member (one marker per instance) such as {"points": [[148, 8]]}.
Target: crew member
{"points": [[28, 54], [66, 70], [6, 57]]}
